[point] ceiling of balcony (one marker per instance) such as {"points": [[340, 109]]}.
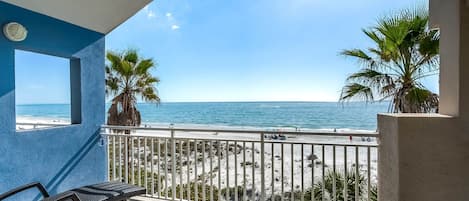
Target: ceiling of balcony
{"points": [[97, 15]]}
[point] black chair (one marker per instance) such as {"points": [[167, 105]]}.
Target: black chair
{"points": [[107, 191], [70, 196], [66, 197]]}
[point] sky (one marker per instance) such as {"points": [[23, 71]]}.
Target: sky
{"points": [[238, 50]]}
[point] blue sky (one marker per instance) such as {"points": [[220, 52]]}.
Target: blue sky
{"points": [[244, 50]]}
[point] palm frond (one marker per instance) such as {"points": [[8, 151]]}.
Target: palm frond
{"points": [[361, 57], [144, 66], [131, 55], [373, 36], [356, 91], [405, 51]]}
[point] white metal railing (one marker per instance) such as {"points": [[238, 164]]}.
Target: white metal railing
{"points": [[227, 164], [28, 126]]}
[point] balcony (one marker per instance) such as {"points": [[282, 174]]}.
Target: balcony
{"points": [[423, 157], [225, 164]]}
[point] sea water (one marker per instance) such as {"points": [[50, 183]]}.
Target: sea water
{"points": [[308, 115]]}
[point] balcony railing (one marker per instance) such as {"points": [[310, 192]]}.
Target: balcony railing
{"points": [[227, 164], [29, 126]]}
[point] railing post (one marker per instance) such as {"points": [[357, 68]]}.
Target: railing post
{"points": [[262, 168], [126, 159], [114, 169], [173, 168], [108, 155]]}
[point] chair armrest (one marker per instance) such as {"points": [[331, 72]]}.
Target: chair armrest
{"points": [[14, 191], [67, 196]]}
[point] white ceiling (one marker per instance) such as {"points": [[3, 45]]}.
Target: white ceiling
{"points": [[97, 15]]}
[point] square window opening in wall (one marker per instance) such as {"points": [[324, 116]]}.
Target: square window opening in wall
{"points": [[47, 91]]}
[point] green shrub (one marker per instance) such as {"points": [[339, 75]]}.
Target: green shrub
{"points": [[192, 187], [327, 185]]}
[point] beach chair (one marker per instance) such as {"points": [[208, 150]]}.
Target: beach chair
{"points": [[107, 191]]}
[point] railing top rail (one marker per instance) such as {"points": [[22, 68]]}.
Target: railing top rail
{"points": [[246, 131], [41, 124], [366, 144]]}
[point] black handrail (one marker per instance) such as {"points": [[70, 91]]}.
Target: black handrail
{"points": [[38, 185]]}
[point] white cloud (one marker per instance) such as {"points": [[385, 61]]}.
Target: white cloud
{"points": [[170, 21], [151, 14]]}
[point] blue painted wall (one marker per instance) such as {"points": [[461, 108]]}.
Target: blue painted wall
{"points": [[61, 158]]}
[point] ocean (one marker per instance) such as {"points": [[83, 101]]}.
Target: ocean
{"points": [[268, 115]]}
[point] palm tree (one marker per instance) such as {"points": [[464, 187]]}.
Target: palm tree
{"points": [[128, 77], [405, 51]]}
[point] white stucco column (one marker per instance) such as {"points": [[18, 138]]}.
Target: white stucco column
{"points": [[446, 15], [425, 157]]}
